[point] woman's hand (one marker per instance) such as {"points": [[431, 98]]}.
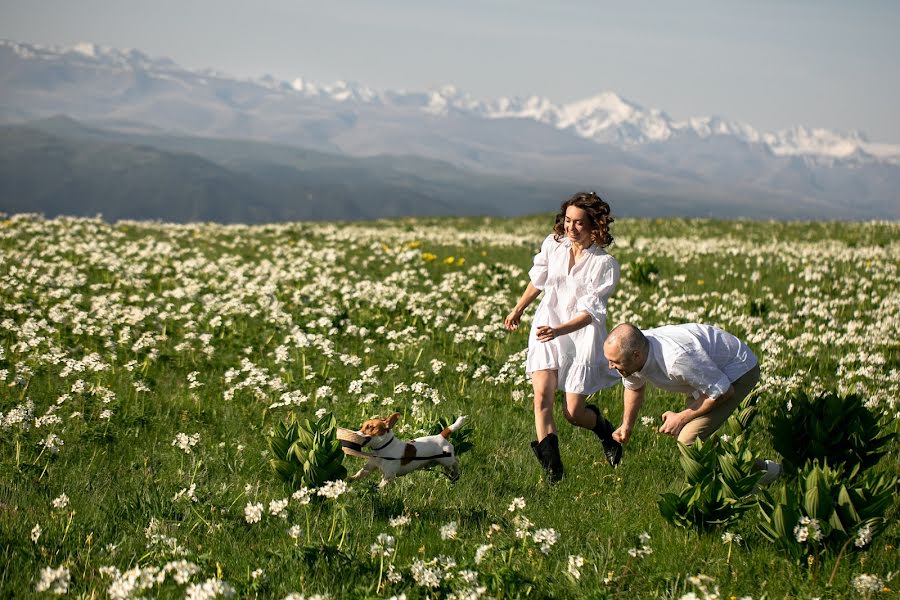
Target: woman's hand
{"points": [[545, 333], [511, 322]]}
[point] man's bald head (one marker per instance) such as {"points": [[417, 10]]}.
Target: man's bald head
{"points": [[626, 349]]}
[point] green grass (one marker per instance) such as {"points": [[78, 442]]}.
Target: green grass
{"points": [[812, 300]]}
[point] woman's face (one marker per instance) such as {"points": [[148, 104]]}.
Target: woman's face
{"points": [[577, 228]]}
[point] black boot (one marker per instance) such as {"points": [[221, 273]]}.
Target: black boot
{"points": [[604, 429], [547, 452]]}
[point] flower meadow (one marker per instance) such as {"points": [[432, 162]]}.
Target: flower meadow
{"points": [[143, 366]]}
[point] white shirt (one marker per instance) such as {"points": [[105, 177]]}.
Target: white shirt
{"points": [[578, 356], [693, 359]]}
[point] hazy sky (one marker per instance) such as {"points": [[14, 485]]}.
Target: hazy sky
{"points": [[772, 64]]}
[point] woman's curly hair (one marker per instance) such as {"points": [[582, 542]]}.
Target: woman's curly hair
{"points": [[598, 217]]}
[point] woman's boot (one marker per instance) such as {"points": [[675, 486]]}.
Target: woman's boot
{"points": [[604, 429], [547, 452]]}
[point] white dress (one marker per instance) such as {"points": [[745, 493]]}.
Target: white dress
{"points": [[578, 356]]}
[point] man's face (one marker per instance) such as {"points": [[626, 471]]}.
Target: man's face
{"points": [[618, 360]]}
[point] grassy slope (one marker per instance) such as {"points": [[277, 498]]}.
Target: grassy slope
{"points": [[120, 474]]}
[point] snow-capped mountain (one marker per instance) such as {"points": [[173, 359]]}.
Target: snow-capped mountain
{"points": [[605, 118], [604, 141]]}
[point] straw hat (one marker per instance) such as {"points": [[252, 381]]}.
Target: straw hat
{"points": [[352, 442]]}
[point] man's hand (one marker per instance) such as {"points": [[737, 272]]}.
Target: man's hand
{"points": [[622, 434], [673, 423]]}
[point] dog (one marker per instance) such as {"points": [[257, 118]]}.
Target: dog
{"points": [[395, 458]]}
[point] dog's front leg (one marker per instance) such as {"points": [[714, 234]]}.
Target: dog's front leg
{"points": [[364, 472], [384, 481]]}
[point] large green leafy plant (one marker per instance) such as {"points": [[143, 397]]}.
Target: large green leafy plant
{"points": [[306, 453], [719, 478], [720, 475], [828, 427], [821, 509]]}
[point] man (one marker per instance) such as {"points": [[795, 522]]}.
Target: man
{"points": [[715, 369]]}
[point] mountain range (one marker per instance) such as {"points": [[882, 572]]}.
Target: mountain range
{"points": [[430, 152]]}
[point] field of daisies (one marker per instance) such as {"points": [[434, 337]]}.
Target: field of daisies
{"points": [[144, 368]]}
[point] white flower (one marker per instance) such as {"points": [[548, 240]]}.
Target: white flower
{"points": [[321, 412], [209, 589], [188, 492], [295, 532], [729, 538], [426, 574], [256, 573], [182, 570], [276, 508], [807, 528], [383, 546], [574, 566], [647, 421], [36, 534], [516, 504], [545, 538], [398, 521], [186, 442], [60, 501], [253, 512], [302, 495], [53, 443], [333, 489], [863, 537], [522, 525], [482, 552], [643, 548], [867, 584], [448, 531], [55, 581]]}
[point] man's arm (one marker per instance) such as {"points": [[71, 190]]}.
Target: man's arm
{"points": [[632, 401], [673, 422]]}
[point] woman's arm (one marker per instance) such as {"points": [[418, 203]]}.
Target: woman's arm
{"points": [[546, 333], [512, 319]]}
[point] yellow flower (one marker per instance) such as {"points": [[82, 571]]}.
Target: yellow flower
{"points": [[415, 244], [699, 282], [449, 260], [428, 256], [460, 261]]}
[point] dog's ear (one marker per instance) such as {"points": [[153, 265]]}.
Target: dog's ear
{"points": [[392, 420]]}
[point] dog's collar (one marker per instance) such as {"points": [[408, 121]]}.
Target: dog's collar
{"points": [[385, 445]]}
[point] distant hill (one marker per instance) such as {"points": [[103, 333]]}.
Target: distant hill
{"points": [[59, 166]]}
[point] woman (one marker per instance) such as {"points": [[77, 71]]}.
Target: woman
{"points": [[565, 347]]}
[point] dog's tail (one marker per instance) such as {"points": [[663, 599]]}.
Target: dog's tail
{"points": [[456, 425]]}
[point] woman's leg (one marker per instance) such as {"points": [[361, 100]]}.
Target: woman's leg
{"points": [[589, 417], [544, 384], [575, 413]]}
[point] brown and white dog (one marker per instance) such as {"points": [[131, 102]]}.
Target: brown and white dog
{"points": [[395, 458]]}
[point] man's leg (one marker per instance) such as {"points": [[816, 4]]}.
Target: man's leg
{"points": [[703, 427]]}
